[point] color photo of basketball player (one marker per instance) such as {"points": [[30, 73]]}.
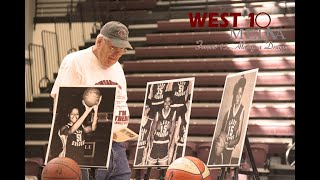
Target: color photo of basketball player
{"points": [[164, 123], [234, 111]]}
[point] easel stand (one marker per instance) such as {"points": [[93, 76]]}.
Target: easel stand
{"points": [[147, 174], [138, 171], [254, 171], [222, 174], [88, 173]]}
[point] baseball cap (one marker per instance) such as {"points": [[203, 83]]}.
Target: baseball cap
{"points": [[117, 33]]}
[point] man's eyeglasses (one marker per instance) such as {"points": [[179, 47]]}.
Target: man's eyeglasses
{"points": [[115, 49]]}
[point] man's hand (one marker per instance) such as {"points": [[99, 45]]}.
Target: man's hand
{"points": [[114, 136]]}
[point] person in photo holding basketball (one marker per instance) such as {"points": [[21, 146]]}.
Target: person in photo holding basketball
{"points": [[232, 122], [72, 134], [218, 148], [98, 65]]}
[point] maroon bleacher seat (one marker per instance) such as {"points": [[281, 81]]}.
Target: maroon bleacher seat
{"points": [[203, 150], [210, 64], [214, 173], [190, 149], [260, 152], [208, 111], [271, 130], [278, 149], [215, 50], [33, 166], [284, 94], [213, 79]]}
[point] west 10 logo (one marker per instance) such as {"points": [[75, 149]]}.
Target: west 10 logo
{"points": [[198, 20]]}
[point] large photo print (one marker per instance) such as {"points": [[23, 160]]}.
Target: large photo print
{"points": [[232, 120], [164, 122], [82, 124]]}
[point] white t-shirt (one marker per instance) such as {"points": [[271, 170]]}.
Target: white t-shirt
{"points": [[83, 68]]}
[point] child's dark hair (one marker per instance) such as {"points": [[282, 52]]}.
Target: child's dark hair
{"points": [[167, 94], [240, 84]]}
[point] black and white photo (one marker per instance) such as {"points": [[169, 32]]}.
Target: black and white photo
{"points": [[82, 125], [232, 121], [164, 123]]}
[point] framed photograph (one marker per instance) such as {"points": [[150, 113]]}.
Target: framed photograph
{"points": [[82, 125], [232, 121], [164, 123]]}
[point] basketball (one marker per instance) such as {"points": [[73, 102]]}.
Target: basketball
{"points": [[187, 167], [61, 168], [91, 96], [220, 143]]}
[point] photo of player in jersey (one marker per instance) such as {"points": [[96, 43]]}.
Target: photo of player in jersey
{"points": [[72, 134], [230, 130], [161, 134], [181, 92], [81, 128], [155, 96], [142, 145], [164, 123]]}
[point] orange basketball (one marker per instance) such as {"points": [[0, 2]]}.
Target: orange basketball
{"points": [[187, 167], [61, 168], [91, 96]]}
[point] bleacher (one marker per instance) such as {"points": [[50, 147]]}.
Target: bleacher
{"points": [[167, 47]]}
